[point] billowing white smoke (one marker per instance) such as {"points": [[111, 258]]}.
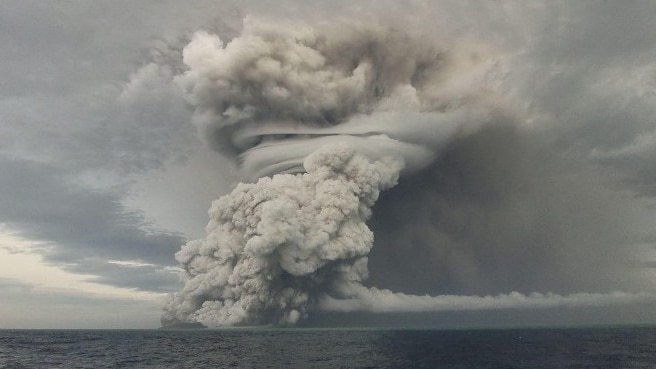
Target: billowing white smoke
{"points": [[328, 116], [274, 247]]}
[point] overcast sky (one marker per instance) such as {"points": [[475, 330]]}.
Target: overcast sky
{"points": [[103, 177]]}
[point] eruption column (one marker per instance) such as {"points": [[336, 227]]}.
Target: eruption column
{"points": [[333, 114], [276, 246]]}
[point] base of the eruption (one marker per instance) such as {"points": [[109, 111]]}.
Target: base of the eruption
{"points": [[372, 307], [183, 326], [374, 300]]}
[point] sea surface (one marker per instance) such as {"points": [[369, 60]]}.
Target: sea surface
{"points": [[613, 348]]}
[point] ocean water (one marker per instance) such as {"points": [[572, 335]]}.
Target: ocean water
{"points": [[613, 348]]}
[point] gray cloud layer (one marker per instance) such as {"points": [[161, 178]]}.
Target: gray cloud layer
{"points": [[83, 228], [77, 129]]}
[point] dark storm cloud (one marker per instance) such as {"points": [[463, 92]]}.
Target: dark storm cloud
{"points": [[78, 92], [81, 226], [83, 116], [589, 72]]}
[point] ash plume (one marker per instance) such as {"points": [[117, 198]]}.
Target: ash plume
{"points": [[320, 119], [275, 246]]}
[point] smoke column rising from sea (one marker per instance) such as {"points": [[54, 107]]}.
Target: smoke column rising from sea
{"points": [[320, 119]]}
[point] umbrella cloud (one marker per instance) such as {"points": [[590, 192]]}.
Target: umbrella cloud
{"points": [[320, 119], [272, 95]]}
